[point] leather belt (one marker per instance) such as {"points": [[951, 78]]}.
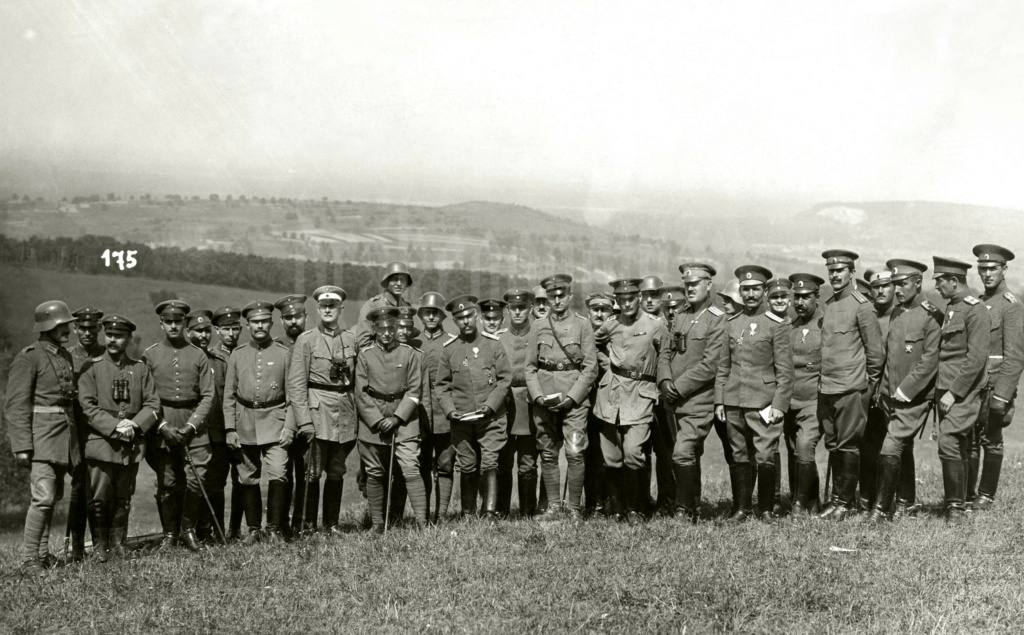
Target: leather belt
{"points": [[328, 387], [632, 374], [190, 403], [519, 383], [556, 366], [49, 410], [260, 405], [384, 396]]}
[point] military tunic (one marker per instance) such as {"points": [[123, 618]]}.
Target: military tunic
{"points": [[521, 448], [800, 427], [963, 355], [185, 385], [220, 461], [363, 328], [1005, 363]]}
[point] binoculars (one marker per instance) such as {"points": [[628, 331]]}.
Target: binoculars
{"points": [[119, 390], [340, 372]]}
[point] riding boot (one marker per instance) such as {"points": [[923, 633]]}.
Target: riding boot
{"points": [[766, 491], [616, 502], [312, 504], [504, 493], [277, 515], [119, 526], [236, 513], [686, 491], [490, 495], [954, 487], [78, 513], [633, 483], [527, 495], [333, 489], [887, 481], [100, 521], [252, 503], [990, 469], [906, 490], [170, 519], [806, 487], [777, 495], [973, 465], [217, 520], [742, 491], [190, 506], [845, 474], [468, 484]]}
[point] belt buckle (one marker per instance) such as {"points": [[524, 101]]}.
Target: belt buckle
{"points": [[633, 374], [257, 405], [560, 366]]}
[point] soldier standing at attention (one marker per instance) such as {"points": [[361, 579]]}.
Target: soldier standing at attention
{"points": [[628, 395], [436, 452], [881, 292], [396, 281], [800, 427], [119, 399], [407, 333], [561, 366], [185, 385], [686, 376], [662, 433], [40, 425], [222, 461], [320, 390], [753, 388], [473, 379], [199, 329], [912, 358], [387, 394], [595, 487], [851, 368], [293, 317], [88, 350], [778, 293], [963, 354], [1005, 362], [255, 406]]}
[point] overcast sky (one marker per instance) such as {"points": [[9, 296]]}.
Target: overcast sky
{"points": [[819, 100]]}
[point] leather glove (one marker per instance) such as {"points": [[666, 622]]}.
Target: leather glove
{"points": [[668, 390], [231, 439], [946, 402], [287, 436], [997, 408], [308, 433], [23, 459], [187, 435], [170, 436], [455, 415], [487, 411]]}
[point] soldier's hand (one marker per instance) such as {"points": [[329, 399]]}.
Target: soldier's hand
{"points": [[668, 390], [777, 415], [997, 408], [170, 436], [455, 415], [187, 435], [946, 402], [487, 412], [566, 404], [720, 413], [126, 429], [600, 339], [307, 432], [287, 436], [231, 439], [23, 459], [388, 424]]}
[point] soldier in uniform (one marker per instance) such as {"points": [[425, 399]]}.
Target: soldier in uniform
{"points": [[40, 425], [650, 296], [396, 281], [293, 317], [686, 377], [118, 397], [1005, 362], [541, 305], [753, 388], [963, 354], [561, 366], [255, 405], [320, 391], [661, 430], [436, 452], [732, 302], [388, 386], [628, 396], [199, 329], [595, 488], [778, 292], [472, 382], [851, 368], [88, 350], [673, 300], [800, 427], [881, 290], [912, 358], [185, 385], [227, 321]]}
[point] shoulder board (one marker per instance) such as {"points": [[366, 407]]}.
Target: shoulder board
{"points": [[774, 318], [858, 296], [735, 315], [1010, 297], [500, 331], [488, 335], [367, 347], [929, 307], [30, 347], [580, 316], [971, 300], [151, 346], [279, 343], [714, 310], [451, 339]]}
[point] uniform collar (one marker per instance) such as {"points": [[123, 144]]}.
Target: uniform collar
{"points": [[184, 343], [326, 331], [960, 295], [697, 308], [254, 344], [394, 345], [429, 336], [997, 291], [565, 316], [116, 362], [800, 321], [520, 332], [49, 346], [224, 349]]}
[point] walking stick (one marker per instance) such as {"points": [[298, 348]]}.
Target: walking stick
{"points": [[391, 480], [312, 473], [202, 490]]}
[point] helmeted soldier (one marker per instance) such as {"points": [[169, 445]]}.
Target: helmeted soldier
{"points": [[561, 365], [686, 377], [753, 388], [40, 422], [732, 301], [436, 452], [800, 427], [292, 308], [255, 407], [473, 379], [628, 396], [851, 368], [227, 322], [185, 385], [388, 386], [320, 390], [963, 355], [396, 281], [881, 292], [1005, 363], [120, 403], [908, 383]]}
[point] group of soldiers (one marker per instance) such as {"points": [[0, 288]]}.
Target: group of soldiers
{"points": [[652, 367]]}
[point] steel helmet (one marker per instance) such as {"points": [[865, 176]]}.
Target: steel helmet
{"points": [[651, 283], [51, 314], [394, 269]]}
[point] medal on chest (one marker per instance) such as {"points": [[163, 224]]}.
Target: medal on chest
{"points": [[909, 348], [476, 352], [803, 337]]}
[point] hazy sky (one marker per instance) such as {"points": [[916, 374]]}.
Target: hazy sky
{"points": [[824, 100]]}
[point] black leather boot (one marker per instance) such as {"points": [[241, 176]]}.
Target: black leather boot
{"points": [[973, 465], [504, 492], [740, 475], [119, 527], [954, 485], [333, 489], [633, 482], [490, 495], [777, 494], [190, 507], [886, 483], [845, 473], [687, 486], [990, 470], [252, 504], [170, 519], [806, 492], [312, 503], [469, 486], [234, 530], [766, 491], [616, 500], [527, 495], [277, 514], [100, 520]]}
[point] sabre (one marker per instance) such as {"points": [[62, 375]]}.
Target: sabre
{"points": [[202, 490]]}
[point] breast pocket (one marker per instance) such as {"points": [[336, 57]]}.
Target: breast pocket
{"points": [[546, 348], [912, 341], [953, 331]]}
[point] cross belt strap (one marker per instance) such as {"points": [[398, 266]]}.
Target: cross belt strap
{"points": [[632, 374], [558, 366], [260, 405], [384, 396], [328, 387], [190, 403]]}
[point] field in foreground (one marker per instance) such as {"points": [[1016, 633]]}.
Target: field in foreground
{"points": [[918, 576]]}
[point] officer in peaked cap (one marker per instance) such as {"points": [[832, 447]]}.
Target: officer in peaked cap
{"points": [[185, 385], [963, 356], [293, 316], [800, 427], [852, 357], [561, 366], [600, 307], [492, 314], [227, 321], [673, 299], [292, 308], [437, 456], [1005, 362], [778, 293], [199, 326], [663, 433], [541, 306], [396, 280]]}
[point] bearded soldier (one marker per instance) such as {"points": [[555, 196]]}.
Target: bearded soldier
{"points": [[185, 385], [293, 317], [1005, 363], [120, 403], [222, 461], [801, 428], [686, 376]]}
